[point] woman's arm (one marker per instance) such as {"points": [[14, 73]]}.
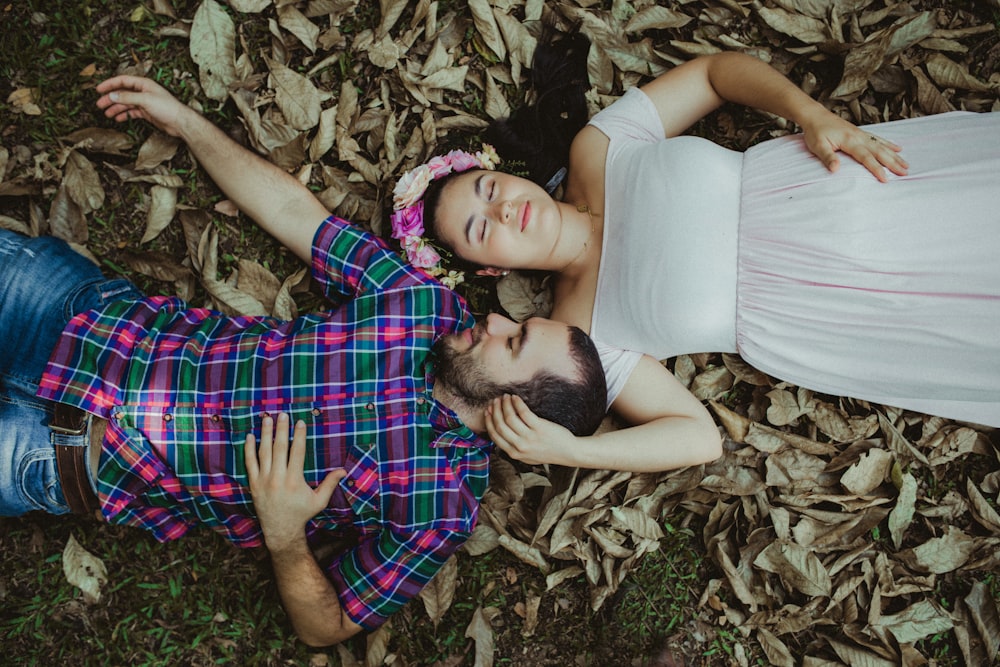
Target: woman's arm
{"points": [[672, 429], [279, 203], [690, 91]]}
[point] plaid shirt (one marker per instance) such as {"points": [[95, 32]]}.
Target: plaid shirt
{"points": [[182, 387]]}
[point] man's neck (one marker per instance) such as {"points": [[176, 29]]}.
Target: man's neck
{"points": [[474, 418]]}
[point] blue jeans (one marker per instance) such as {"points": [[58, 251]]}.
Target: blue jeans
{"points": [[43, 284]]}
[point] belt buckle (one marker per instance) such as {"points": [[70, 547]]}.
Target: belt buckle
{"points": [[68, 420]]}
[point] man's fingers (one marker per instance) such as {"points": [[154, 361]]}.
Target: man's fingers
{"points": [[279, 453], [250, 457], [326, 488], [264, 450], [297, 455], [524, 413]]}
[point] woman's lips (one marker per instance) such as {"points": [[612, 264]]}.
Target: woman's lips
{"points": [[525, 215]]}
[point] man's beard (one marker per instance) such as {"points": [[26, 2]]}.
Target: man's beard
{"points": [[463, 376]]}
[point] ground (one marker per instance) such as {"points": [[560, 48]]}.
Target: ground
{"points": [[698, 587]]}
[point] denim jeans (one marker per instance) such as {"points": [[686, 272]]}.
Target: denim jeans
{"points": [[43, 284]]}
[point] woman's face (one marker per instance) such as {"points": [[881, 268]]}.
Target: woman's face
{"points": [[498, 220]]}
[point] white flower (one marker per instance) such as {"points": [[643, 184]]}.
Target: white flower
{"points": [[488, 157]]}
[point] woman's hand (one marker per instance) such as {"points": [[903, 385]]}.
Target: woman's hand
{"points": [[826, 133], [284, 502], [525, 436], [124, 97]]}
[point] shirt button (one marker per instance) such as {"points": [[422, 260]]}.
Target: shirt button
{"points": [[421, 400], [216, 418], [350, 483], [167, 416], [316, 412], [370, 406]]}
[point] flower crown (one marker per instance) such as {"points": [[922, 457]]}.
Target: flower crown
{"points": [[408, 207]]}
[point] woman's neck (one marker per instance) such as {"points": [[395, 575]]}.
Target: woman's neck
{"points": [[579, 240]]}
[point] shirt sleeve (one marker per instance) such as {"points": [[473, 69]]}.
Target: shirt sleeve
{"points": [[618, 365], [376, 578], [632, 116], [348, 261]]}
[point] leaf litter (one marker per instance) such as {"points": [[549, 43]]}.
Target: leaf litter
{"points": [[833, 526]]}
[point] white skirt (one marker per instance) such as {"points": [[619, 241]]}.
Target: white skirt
{"points": [[888, 292]]}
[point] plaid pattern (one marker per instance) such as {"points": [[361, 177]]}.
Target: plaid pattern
{"points": [[182, 387]]}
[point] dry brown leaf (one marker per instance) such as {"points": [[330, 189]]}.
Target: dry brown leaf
{"points": [[159, 148], [295, 22], [213, 49], [982, 510], [868, 472], [483, 540], [712, 383], [797, 566], [84, 570], [522, 295], [378, 645], [775, 649], [655, 17], [858, 657], [82, 183], [902, 514], [162, 207], [486, 26], [786, 407], [799, 26], [986, 616], [14, 225], [66, 220], [916, 622], [439, 593], [100, 140], [295, 95], [481, 632], [25, 100], [942, 554]]}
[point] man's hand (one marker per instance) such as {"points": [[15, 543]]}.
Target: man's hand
{"points": [[281, 496], [826, 133], [284, 503], [525, 436], [125, 97]]}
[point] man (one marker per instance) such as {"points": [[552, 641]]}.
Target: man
{"points": [[387, 447]]}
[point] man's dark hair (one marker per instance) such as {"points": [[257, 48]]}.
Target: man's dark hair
{"points": [[577, 403]]}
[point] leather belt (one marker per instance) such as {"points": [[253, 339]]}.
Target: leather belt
{"points": [[71, 460]]}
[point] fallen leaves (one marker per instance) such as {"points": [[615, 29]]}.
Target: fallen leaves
{"points": [[838, 532], [84, 570]]}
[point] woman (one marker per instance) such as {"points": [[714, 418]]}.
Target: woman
{"points": [[883, 286]]}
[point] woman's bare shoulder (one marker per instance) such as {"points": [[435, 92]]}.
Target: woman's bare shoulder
{"points": [[587, 156]]}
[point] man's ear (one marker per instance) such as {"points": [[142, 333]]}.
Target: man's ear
{"points": [[491, 271]]}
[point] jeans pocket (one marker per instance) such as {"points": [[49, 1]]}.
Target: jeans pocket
{"points": [[98, 294], [38, 482]]}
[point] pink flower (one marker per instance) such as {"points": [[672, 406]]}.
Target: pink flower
{"points": [[419, 253], [440, 166], [462, 161], [408, 221]]}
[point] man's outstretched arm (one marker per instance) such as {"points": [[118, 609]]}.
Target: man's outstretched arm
{"points": [[280, 204], [284, 503]]}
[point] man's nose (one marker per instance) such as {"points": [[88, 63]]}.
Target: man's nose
{"points": [[498, 325]]}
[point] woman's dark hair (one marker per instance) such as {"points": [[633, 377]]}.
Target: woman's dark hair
{"points": [[540, 133]]}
